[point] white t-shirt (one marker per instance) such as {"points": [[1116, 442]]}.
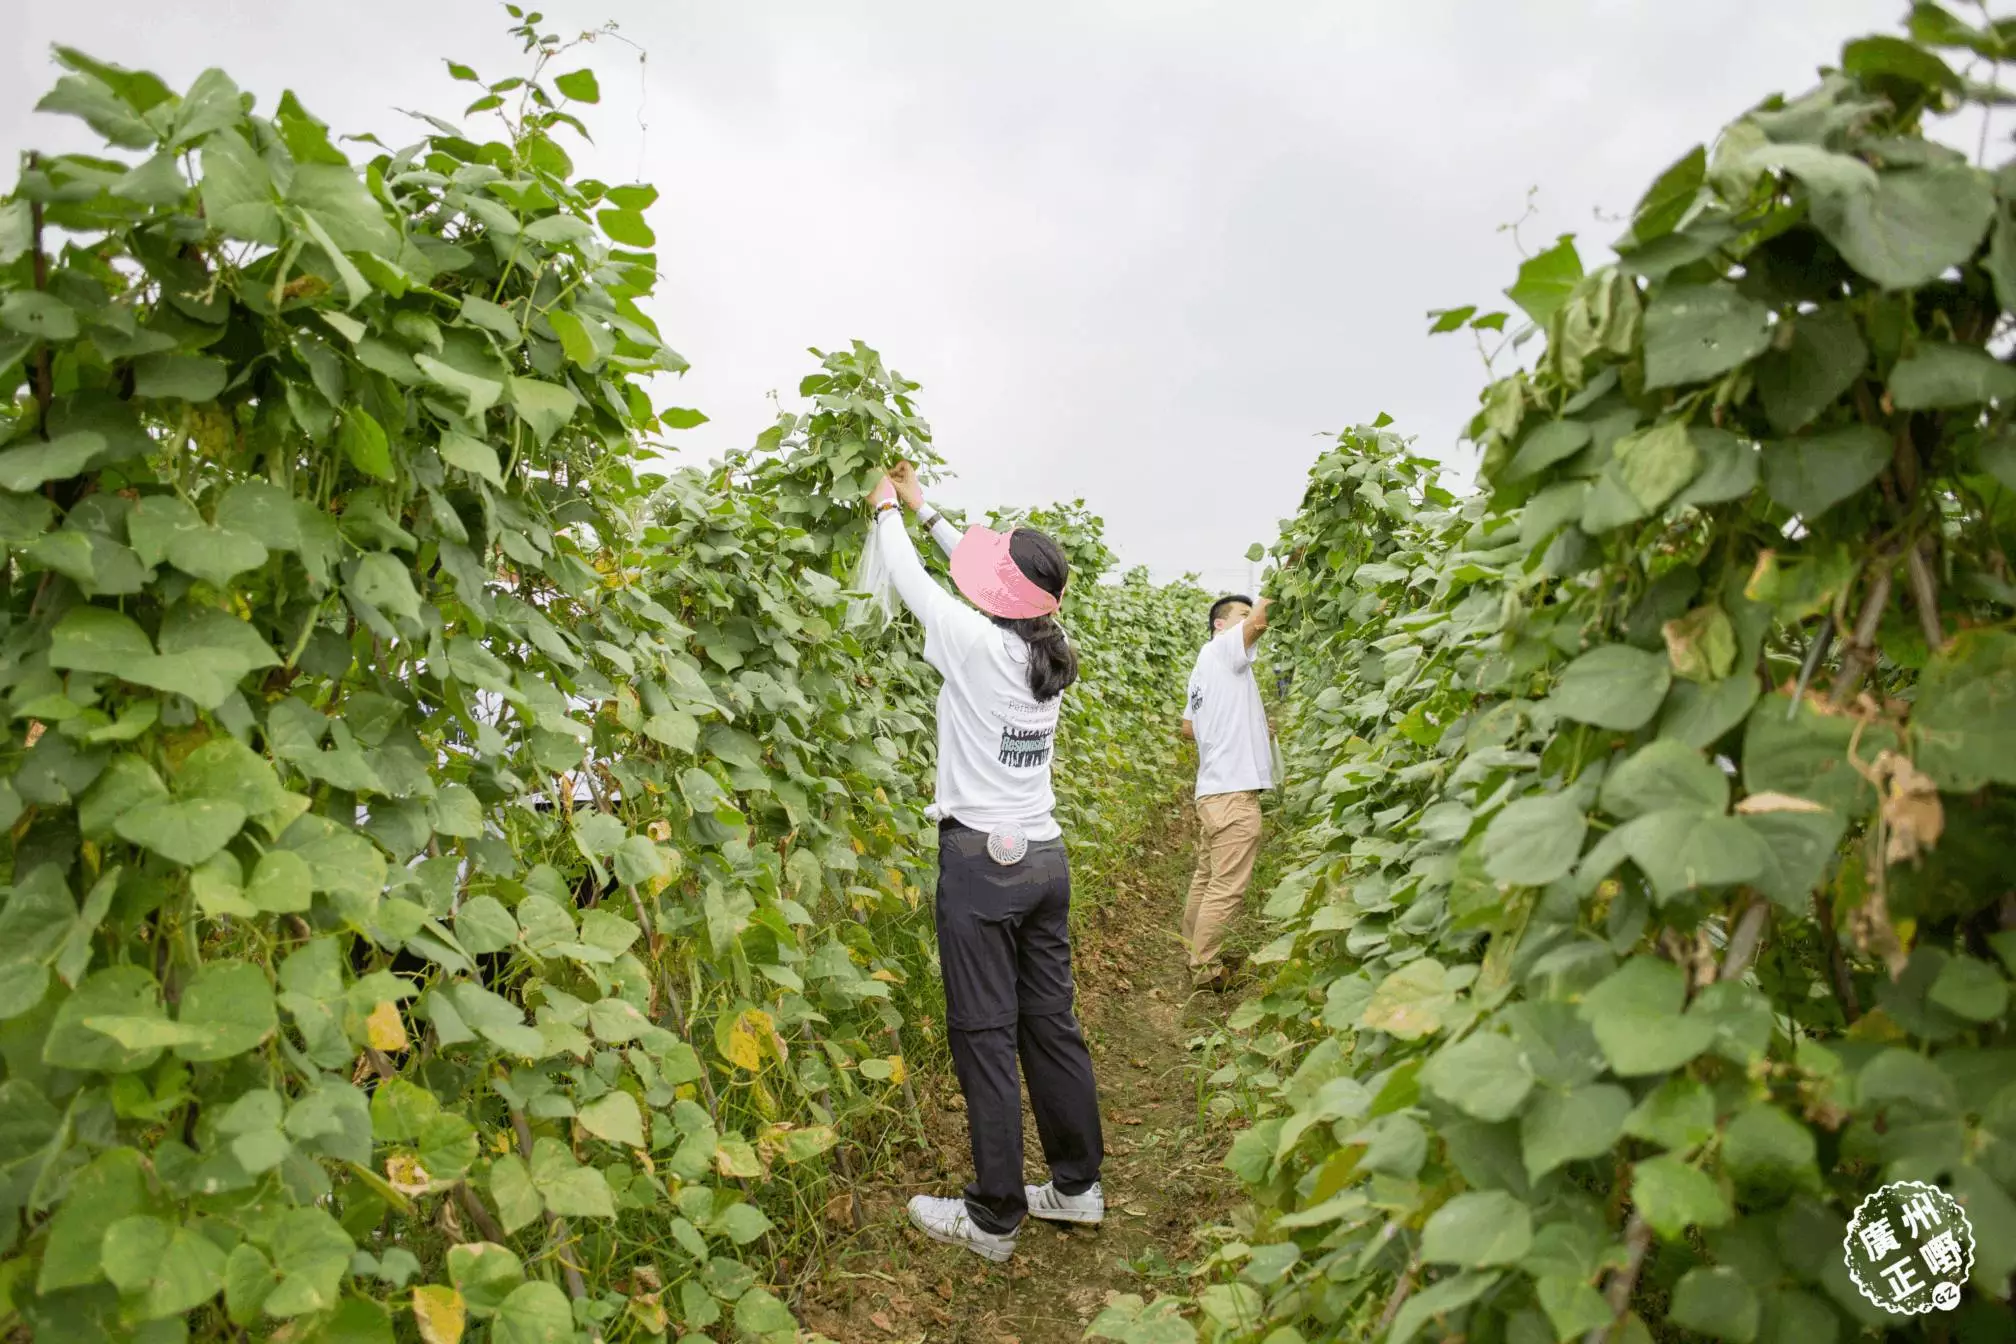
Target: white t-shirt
{"points": [[995, 739], [1226, 715]]}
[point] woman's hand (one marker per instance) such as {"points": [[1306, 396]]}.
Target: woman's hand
{"points": [[904, 477], [883, 493]]}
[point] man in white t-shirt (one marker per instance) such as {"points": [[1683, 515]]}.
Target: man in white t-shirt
{"points": [[1234, 763]]}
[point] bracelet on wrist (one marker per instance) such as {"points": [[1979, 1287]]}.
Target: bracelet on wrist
{"points": [[885, 506], [928, 516]]}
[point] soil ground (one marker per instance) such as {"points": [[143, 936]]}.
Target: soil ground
{"points": [[1163, 1176]]}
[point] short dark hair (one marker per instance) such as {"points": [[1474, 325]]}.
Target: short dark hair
{"points": [[1211, 621]]}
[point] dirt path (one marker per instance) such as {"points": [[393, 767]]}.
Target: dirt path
{"points": [[1162, 1176]]}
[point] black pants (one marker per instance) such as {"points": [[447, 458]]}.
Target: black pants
{"points": [[1004, 943]]}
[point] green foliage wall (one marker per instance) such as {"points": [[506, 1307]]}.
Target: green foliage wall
{"points": [[462, 876], [1650, 896]]}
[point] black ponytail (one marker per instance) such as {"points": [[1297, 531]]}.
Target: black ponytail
{"points": [[1053, 663]]}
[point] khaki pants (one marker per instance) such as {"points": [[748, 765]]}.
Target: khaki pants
{"points": [[1228, 839]]}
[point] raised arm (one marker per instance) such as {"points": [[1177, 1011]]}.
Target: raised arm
{"points": [[940, 612], [1256, 621], [941, 529]]}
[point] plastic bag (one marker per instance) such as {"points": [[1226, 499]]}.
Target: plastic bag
{"points": [[877, 604]]}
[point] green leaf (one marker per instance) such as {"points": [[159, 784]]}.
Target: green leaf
{"points": [[1701, 645], [1729, 468], [193, 378], [579, 85], [382, 581], [232, 1003], [485, 1274], [1682, 848], [162, 1270], [626, 227], [1550, 441], [1573, 1308], [183, 832], [1764, 1147], [38, 315], [740, 1223], [29, 466], [1741, 1016], [1534, 840], [545, 407], [1811, 475], [238, 196], [1667, 202], [1939, 376], [614, 1119], [311, 1253], [1698, 332], [113, 1187], [1571, 1126], [88, 97], [1546, 280], [1410, 1002], [471, 455], [511, 1187], [497, 1019], [1664, 774], [492, 317], [1678, 1114], [1485, 1075], [1613, 686], [1881, 58], [760, 1314], [1478, 1229], [1714, 1300], [1964, 718], [282, 883], [127, 782], [335, 200], [1805, 754], [567, 1187], [1912, 225], [363, 442], [1674, 1196], [112, 992], [1971, 989], [1826, 355], [1635, 1013], [1800, 846], [1648, 469]]}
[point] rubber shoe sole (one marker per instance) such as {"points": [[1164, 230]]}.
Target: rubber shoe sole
{"points": [[997, 1255], [1082, 1217]]}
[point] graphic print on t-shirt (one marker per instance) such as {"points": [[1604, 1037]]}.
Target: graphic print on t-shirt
{"points": [[1024, 747], [1196, 700]]}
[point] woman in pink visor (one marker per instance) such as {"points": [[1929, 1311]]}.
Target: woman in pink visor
{"points": [[1004, 887]]}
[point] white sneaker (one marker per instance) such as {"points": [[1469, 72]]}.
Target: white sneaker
{"points": [[1052, 1206], [946, 1220]]}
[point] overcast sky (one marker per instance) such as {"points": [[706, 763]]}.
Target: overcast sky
{"points": [[1139, 252]]}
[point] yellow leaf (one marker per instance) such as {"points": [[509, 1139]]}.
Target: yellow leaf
{"points": [[750, 1035], [887, 977], [384, 1029], [896, 1070], [439, 1312]]}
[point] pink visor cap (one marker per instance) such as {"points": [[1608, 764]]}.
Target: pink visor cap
{"points": [[991, 580]]}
